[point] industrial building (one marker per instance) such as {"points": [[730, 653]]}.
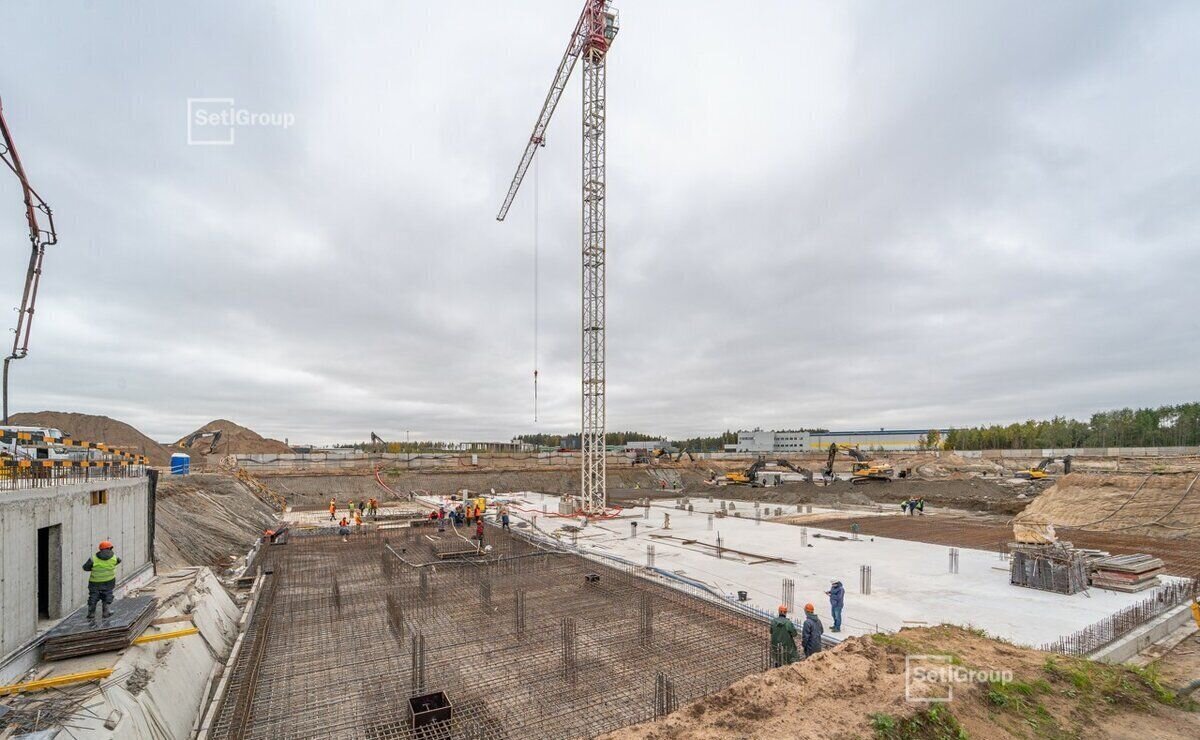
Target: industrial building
{"points": [[779, 442], [48, 528]]}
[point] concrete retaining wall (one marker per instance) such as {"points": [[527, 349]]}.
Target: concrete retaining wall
{"points": [[123, 519]]}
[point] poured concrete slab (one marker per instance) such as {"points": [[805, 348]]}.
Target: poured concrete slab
{"points": [[911, 582]]}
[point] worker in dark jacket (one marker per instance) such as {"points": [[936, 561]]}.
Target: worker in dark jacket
{"points": [[837, 597], [810, 637], [783, 640], [103, 579]]}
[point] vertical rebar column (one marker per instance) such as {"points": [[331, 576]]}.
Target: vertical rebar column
{"points": [[719, 550], [710, 522], [789, 595], [664, 695], [649, 556], [485, 592], [864, 579], [954, 560], [337, 596], [418, 663], [519, 613], [633, 529], [593, 484], [646, 509], [646, 620], [568, 649], [804, 537]]}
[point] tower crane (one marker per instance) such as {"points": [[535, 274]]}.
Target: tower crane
{"points": [[39, 239], [592, 38]]}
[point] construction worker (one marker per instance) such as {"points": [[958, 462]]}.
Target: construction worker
{"points": [[344, 529], [373, 505], [102, 579], [358, 521], [469, 512], [332, 509], [479, 530], [837, 597], [921, 506], [810, 636], [783, 640], [504, 517]]}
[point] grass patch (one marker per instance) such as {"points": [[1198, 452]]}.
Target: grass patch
{"points": [[935, 723], [1114, 685]]}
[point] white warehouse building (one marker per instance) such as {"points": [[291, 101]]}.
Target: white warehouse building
{"points": [[882, 439]]}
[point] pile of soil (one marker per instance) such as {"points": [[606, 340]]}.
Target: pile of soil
{"points": [[235, 439], [92, 428], [1154, 505], [206, 519], [941, 465], [858, 690]]}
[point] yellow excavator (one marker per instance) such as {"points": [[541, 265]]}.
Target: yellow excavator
{"points": [[747, 477], [1038, 472], [863, 470]]}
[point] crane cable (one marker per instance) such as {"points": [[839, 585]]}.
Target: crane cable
{"points": [[536, 193]]}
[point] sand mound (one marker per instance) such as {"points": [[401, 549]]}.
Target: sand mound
{"points": [[858, 690], [235, 439], [938, 465], [205, 518], [1156, 505], [97, 429]]}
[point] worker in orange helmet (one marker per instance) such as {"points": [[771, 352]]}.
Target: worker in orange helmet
{"points": [[783, 640], [332, 509], [102, 580], [810, 636]]}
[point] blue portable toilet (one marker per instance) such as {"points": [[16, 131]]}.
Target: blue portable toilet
{"points": [[180, 463]]}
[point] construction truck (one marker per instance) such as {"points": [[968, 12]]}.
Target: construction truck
{"points": [[1038, 472], [863, 470]]}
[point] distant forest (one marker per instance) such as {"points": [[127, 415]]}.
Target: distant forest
{"points": [[1164, 426]]}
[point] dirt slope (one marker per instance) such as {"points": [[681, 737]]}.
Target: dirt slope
{"points": [[204, 518], [857, 690], [97, 429], [234, 439], [1155, 505]]}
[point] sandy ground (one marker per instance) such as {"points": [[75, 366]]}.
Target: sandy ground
{"points": [[851, 690], [206, 519], [1163, 505]]}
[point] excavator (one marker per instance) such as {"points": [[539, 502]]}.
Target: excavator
{"points": [[212, 447], [747, 477], [377, 440], [1038, 472], [673, 454], [862, 470]]}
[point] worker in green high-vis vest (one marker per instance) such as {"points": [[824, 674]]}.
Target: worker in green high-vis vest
{"points": [[103, 579]]}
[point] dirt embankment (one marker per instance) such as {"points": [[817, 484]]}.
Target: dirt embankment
{"points": [[234, 439], [1152, 505], [858, 690], [314, 491], [93, 428], [206, 519]]}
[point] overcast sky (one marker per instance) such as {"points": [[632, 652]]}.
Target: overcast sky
{"points": [[820, 214]]}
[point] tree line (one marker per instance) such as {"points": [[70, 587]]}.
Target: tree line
{"points": [[1164, 426]]}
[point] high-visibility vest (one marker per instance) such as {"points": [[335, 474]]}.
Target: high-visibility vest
{"points": [[103, 571]]}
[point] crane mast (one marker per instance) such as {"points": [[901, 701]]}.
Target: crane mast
{"points": [[593, 36], [39, 239]]}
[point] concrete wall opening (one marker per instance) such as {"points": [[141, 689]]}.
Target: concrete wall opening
{"points": [[49, 572]]}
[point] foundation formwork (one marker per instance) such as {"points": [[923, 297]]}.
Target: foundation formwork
{"points": [[524, 642]]}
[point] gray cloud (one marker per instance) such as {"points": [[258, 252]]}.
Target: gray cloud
{"points": [[858, 215]]}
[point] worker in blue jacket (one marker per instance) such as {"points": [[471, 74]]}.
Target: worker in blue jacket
{"points": [[837, 597]]}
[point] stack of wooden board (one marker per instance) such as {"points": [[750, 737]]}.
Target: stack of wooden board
{"points": [[1127, 572], [77, 635]]}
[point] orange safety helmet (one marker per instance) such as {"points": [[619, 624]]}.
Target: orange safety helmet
{"points": [[809, 608], [106, 545], [782, 609]]}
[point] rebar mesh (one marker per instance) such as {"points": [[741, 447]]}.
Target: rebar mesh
{"points": [[525, 643]]}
